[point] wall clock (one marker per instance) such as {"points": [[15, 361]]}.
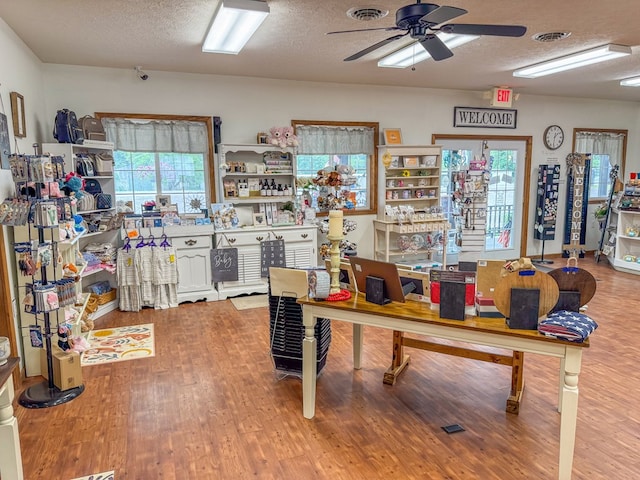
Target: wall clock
{"points": [[553, 137]]}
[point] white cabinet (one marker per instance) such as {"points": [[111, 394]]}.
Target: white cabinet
{"points": [[627, 249], [98, 215], [411, 176], [193, 256], [243, 169], [300, 246]]}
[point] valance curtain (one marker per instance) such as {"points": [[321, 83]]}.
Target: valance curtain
{"points": [[156, 135], [601, 143], [328, 140]]}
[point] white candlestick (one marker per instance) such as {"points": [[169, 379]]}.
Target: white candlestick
{"points": [[335, 223]]}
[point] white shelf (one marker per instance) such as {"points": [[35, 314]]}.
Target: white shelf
{"points": [[99, 210], [259, 199]]}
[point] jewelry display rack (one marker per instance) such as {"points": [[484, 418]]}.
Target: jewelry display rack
{"points": [[33, 175]]}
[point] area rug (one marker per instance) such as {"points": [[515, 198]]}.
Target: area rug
{"points": [[251, 301], [119, 344], [98, 476]]}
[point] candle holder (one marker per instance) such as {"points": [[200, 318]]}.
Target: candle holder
{"points": [[335, 292]]}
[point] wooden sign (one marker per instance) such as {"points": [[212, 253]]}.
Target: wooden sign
{"points": [[577, 202], [271, 255], [224, 265]]}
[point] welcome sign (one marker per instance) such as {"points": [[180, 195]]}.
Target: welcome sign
{"points": [[484, 117], [577, 203]]}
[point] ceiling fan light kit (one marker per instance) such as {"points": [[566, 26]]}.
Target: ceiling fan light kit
{"points": [[575, 60], [426, 23], [234, 22], [414, 53]]}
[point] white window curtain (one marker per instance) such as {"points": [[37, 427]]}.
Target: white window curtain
{"points": [[328, 140], [156, 135], [601, 143]]}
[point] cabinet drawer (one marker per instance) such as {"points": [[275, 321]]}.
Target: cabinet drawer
{"points": [[243, 238], [193, 241]]}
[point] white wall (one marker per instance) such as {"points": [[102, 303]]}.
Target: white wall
{"points": [[21, 72], [249, 105]]}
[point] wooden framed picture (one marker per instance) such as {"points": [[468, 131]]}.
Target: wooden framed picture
{"points": [[259, 220], [410, 162], [392, 136], [17, 113]]}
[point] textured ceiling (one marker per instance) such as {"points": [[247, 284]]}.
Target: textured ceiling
{"points": [[166, 35]]}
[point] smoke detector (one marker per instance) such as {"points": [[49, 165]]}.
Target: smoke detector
{"points": [[550, 36], [366, 14]]}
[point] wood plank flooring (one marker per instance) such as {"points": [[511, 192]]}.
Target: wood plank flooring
{"points": [[209, 405]]}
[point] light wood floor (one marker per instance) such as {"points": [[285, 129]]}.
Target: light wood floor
{"points": [[210, 406]]}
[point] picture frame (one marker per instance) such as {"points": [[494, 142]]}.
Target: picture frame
{"points": [[163, 201], [259, 219], [392, 136], [411, 162], [18, 116]]}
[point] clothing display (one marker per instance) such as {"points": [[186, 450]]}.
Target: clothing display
{"points": [[147, 275]]}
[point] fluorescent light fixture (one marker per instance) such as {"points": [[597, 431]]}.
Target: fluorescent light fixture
{"points": [[234, 22], [414, 53], [575, 60], [630, 82]]}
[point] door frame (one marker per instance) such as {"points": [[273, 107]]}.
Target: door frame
{"points": [[528, 140], [7, 322]]}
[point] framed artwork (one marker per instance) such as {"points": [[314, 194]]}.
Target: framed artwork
{"points": [[410, 162], [163, 201], [17, 113], [259, 219], [392, 136]]}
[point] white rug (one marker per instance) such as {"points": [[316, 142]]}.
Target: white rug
{"points": [[98, 476], [251, 301]]}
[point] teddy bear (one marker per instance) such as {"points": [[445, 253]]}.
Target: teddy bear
{"points": [[291, 139], [276, 137]]}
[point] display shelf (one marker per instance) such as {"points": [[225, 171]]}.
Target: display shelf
{"points": [[75, 324], [626, 255], [416, 235]]}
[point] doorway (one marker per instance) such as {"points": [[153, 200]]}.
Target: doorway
{"points": [[508, 161]]}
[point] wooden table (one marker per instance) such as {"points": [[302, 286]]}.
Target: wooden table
{"points": [[418, 318], [10, 456]]}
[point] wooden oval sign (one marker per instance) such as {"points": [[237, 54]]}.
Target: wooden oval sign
{"points": [[549, 291]]}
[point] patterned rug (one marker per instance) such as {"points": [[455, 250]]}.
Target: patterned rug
{"points": [[119, 344], [250, 301], [98, 476]]}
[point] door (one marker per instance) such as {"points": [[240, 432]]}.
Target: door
{"points": [[504, 214]]}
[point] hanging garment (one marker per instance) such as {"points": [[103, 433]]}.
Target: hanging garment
{"points": [[127, 276], [165, 277]]}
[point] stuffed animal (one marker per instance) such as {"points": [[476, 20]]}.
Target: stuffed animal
{"points": [[291, 138], [276, 137], [73, 183]]}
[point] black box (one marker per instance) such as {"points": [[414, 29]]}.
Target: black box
{"points": [[524, 308]]}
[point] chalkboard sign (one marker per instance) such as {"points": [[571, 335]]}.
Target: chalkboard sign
{"points": [[224, 264], [272, 255]]}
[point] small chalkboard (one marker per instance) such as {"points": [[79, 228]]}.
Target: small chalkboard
{"points": [[224, 264], [272, 255]]}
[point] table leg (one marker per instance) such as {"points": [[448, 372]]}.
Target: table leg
{"points": [[569, 413], [517, 383], [561, 386], [309, 365], [358, 330], [10, 456], [399, 361]]}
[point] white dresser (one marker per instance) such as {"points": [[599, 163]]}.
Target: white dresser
{"points": [[300, 245]]}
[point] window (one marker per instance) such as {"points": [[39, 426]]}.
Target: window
{"points": [[161, 155], [327, 145], [607, 148]]}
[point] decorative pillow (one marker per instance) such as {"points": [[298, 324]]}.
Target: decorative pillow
{"points": [[567, 325]]}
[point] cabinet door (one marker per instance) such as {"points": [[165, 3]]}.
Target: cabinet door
{"points": [[249, 259], [194, 269], [300, 255]]}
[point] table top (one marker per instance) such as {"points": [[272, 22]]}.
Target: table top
{"points": [[421, 312], [7, 369]]}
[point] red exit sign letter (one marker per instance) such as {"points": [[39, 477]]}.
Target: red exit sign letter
{"points": [[502, 97]]}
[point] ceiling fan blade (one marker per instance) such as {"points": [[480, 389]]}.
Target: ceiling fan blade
{"points": [[388, 29], [442, 14], [373, 47], [436, 48], [479, 29]]}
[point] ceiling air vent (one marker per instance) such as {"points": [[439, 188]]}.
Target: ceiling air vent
{"points": [[366, 14], [550, 36]]}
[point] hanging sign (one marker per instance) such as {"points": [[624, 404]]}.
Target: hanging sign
{"points": [[484, 117], [224, 265], [272, 255], [502, 97], [577, 203]]}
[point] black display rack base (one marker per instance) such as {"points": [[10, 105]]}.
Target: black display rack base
{"points": [[41, 395], [541, 261]]}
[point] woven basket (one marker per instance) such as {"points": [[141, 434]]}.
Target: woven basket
{"points": [[105, 297]]}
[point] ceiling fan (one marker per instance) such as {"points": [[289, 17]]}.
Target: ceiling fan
{"points": [[420, 21]]}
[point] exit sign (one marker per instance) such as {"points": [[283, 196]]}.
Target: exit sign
{"points": [[502, 97]]}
